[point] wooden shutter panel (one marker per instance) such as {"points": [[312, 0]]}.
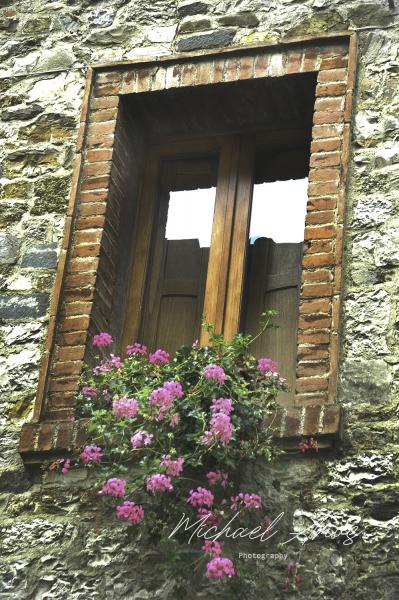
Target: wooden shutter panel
{"points": [[273, 281]]}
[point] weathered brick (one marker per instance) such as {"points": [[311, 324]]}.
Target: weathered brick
{"points": [[67, 353], [322, 232], [67, 368], [326, 131], [314, 322], [320, 217], [316, 352], [315, 306], [87, 236], [322, 188], [311, 384], [74, 323], [333, 62], [322, 203], [318, 260], [327, 75], [74, 338], [64, 384], [321, 117], [329, 159], [104, 102], [77, 308], [331, 419], [311, 423], [107, 89], [100, 116], [319, 275], [92, 208], [90, 222], [325, 145], [83, 264], [77, 280], [330, 89], [320, 337], [312, 369], [292, 423], [82, 250], [316, 290]]}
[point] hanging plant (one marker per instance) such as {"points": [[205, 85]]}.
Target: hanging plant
{"points": [[167, 437]]}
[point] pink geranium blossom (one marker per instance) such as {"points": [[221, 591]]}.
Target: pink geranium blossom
{"points": [[246, 501], [214, 373], [174, 387], [224, 405], [215, 476], [125, 408], [201, 497], [134, 513], [219, 568], [212, 547], [173, 467], [89, 391], [102, 339], [159, 483], [221, 430], [141, 438], [136, 349], [159, 357], [114, 487], [91, 454], [267, 365]]}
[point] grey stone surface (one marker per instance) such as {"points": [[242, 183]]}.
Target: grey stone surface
{"points": [[192, 7], [23, 307], [9, 247], [42, 256], [215, 39]]}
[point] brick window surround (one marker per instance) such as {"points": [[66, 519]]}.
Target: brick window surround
{"points": [[81, 301]]}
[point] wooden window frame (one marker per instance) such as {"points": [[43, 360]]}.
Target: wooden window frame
{"points": [[84, 277]]}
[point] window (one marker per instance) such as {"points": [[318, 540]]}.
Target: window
{"points": [[219, 136]]}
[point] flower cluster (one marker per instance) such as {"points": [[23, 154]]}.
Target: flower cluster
{"points": [[159, 357], [136, 349], [89, 391], [114, 487], [212, 547], [224, 405], [125, 408], [221, 429], [134, 513], [141, 439], [201, 497], [91, 454], [246, 501], [102, 339], [107, 365], [219, 568], [309, 444], [173, 467], [62, 464], [163, 397], [159, 483], [215, 476], [208, 517], [215, 373], [267, 365]]}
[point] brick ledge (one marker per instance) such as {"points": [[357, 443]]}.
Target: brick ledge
{"points": [[40, 440]]}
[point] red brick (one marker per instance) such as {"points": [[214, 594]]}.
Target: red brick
{"points": [[330, 159], [325, 145], [74, 323], [90, 222], [108, 89], [67, 368], [87, 236], [105, 102], [100, 141], [92, 208], [77, 308], [313, 352], [231, 69], [188, 74], [246, 67], [327, 75], [311, 423], [108, 77], [331, 419], [321, 117], [292, 423], [144, 79], [318, 276], [86, 250], [66, 353], [83, 264], [80, 280], [312, 369], [333, 62], [27, 437], [320, 337], [204, 73], [315, 306], [99, 116], [318, 260], [324, 174], [46, 436], [96, 169], [316, 290], [64, 435], [314, 322], [323, 188], [310, 400], [317, 233], [335, 103], [294, 62], [95, 183], [320, 217], [93, 196], [311, 384], [330, 89], [326, 131], [326, 203], [64, 384], [74, 338], [261, 64]]}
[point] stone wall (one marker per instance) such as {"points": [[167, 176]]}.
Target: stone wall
{"points": [[53, 545]]}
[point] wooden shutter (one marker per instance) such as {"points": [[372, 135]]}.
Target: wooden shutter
{"points": [[273, 281]]}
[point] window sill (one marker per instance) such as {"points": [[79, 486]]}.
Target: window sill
{"points": [[40, 441]]}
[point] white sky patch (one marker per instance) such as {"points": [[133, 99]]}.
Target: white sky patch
{"points": [[190, 216], [279, 211]]}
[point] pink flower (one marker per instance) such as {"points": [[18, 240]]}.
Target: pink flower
{"points": [[114, 487], [246, 501], [267, 365], [211, 520], [215, 476], [219, 567], [125, 408], [163, 399], [63, 464], [141, 438], [221, 429], [201, 497], [134, 513], [91, 454], [89, 391], [173, 467], [159, 483], [290, 566], [174, 387], [215, 373], [212, 547], [174, 420], [102, 339], [136, 349], [106, 365], [224, 405], [159, 357]]}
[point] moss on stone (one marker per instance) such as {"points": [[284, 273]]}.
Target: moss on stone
{"points": [[19, 189], [51, 195], [318, 23]]}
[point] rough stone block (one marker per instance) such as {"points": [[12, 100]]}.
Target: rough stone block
{"points": [[216, 39], [42, 256], [23, 307], [9, 246]]}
